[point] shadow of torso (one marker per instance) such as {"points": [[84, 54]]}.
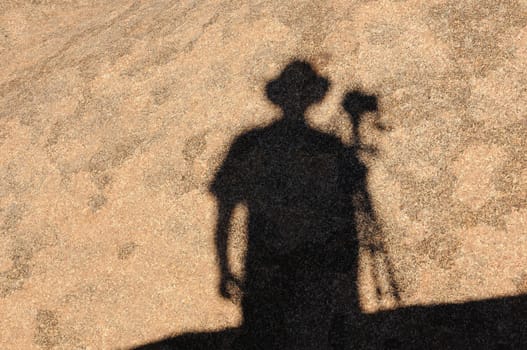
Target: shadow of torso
{"points": [[297, 184]]}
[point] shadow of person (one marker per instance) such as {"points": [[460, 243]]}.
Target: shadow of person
{"points": [[297, 184], [309, 210]]}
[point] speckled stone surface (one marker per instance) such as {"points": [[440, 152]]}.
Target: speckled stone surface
{"points": [[115, 115]]}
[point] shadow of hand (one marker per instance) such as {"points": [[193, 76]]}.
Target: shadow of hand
{"points": [[230, 287]]}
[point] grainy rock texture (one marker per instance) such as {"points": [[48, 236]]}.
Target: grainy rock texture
{"points": [[115, 116]]}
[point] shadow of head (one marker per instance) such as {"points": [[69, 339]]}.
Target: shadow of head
{"points": [[297, 87]]}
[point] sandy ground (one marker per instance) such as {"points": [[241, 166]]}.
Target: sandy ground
{"points": [[115, 116]]}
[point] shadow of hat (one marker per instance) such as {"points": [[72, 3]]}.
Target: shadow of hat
{"points": [[297, 87]]}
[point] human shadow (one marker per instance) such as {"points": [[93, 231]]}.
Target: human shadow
{"points": [[309, 213], [299, 186]]}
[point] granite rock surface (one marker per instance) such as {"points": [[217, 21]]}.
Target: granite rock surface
{"points": [[115, 116]]}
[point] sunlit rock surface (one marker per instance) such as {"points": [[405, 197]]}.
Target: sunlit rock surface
{"points": [[115, 116]]}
